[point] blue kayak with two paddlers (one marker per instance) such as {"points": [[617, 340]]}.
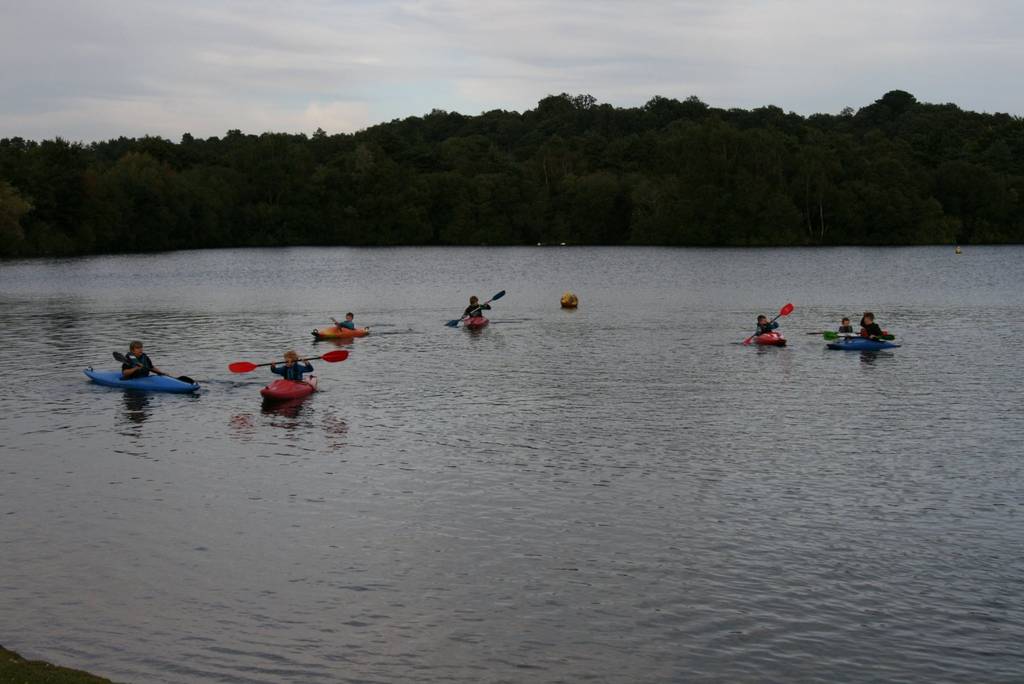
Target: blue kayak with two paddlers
{"points": [[857, 343]]}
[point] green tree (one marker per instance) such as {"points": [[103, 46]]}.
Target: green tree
{"points": [[12, 208]]}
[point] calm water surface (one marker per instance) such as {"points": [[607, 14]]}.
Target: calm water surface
{"points": [[619, 493]]}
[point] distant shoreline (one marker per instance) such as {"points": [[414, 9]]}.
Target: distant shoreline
{"points": [[43, 257]]}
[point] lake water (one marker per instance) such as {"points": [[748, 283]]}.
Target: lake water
{"points": [[619, 493]]}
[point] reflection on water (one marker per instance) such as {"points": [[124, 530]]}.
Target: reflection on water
{"points": [[290, 416], [336, 342], [769, 349], [867, 356], [136, 406], [291, 408], [334, 427], [242, 426]]}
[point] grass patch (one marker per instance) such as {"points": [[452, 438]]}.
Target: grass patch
{"points": [[16, 670]]}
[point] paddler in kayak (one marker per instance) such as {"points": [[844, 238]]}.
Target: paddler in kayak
{"points": [[868, 327], [136, 363], [474, 308], [292, 369], [763, 326], [349, 323], [845, 327]]}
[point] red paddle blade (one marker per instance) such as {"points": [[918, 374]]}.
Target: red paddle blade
{"points": [[786, 310], [332, 356], [241, 367]]}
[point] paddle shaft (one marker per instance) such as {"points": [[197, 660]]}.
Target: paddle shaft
{"points": [[261, 365], [245, 366], [118, 356]]}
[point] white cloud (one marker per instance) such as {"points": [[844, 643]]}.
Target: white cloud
{"points": [[335, 117], [112, 67]]}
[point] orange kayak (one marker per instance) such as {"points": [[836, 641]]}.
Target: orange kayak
{"points": [[333, 332]]}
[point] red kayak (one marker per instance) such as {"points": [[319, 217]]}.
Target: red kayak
{"points": [[771, 339], [475, 322], [283, 390]]}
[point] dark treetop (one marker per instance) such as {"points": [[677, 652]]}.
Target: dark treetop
{"points": [[668, 173]]}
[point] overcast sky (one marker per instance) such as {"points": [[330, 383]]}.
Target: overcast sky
{"points": [[95, 69]]}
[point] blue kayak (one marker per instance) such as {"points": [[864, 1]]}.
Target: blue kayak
{"points": [[861, 344], [150, 383]]}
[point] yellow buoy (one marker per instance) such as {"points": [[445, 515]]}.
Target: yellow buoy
{"points": [[570, 301]]}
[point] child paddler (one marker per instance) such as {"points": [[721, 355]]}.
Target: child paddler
{"points": [[474, 308], [349, 322], [868, 327], [292, 369], [764, 326], [136, 363]]}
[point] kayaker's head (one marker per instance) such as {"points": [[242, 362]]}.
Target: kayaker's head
{"points": [[473, 300], [349, 316], [135, 347], [869, 317], [290, 358], [846, 321], [761, 319]]}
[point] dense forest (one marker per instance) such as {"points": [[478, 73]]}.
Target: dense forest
{"points": [[572, 170]]}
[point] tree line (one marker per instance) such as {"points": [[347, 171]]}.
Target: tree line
{"points": [[572, 170]]}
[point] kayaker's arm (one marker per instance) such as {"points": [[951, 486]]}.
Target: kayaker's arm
{"points": [[137, 368]]}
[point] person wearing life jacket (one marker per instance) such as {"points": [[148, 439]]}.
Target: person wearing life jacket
{"points": [[763, 326], [845, 327], [292, 369], [474, 308], [349, 322], [868, 327], [136, 363]]}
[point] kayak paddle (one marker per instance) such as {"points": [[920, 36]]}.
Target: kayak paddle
{"points": [[784, 311], [245, 366], [454, 323], [829, 335], [118, 356]]}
